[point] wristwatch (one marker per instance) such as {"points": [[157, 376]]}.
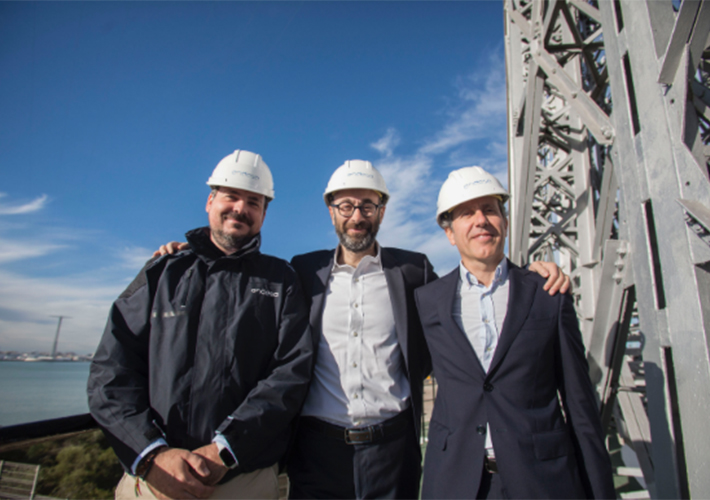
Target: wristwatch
{"points": [[227, 458]]}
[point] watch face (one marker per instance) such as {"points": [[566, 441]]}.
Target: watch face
{"points": [[227, 458]]}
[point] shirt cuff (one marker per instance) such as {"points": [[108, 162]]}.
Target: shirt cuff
{"points": [[222, 443], [148, 449]]}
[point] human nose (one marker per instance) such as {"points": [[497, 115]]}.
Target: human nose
{"points": [[479, 218], [357, 214], [238, 206]]}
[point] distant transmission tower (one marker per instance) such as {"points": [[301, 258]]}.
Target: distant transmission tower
{"points": [[56, 336]]}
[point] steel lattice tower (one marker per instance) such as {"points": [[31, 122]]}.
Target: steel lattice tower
{"points": [[609, 126]]}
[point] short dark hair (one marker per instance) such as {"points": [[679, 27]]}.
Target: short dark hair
{"points": [[447, 218], [215, 190]]}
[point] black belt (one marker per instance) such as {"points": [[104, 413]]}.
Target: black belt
{"points": [[359, 435], [490, 464]]}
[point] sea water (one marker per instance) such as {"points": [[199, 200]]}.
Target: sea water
{"points": [[40, 390]]}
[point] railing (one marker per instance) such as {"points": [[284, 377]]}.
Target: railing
{"points": [[44, 429]]}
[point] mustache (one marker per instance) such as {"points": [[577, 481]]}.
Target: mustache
{"points": [[363, 224], [240, 217]]}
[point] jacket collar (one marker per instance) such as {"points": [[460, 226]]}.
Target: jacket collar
{"points": [[447, 294], [521, 294], [201, 244]]}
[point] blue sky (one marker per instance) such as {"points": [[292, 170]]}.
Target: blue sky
{"points": [[113, 115]]}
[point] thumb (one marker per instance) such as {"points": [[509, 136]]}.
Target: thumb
{"points": [[198, 464]]}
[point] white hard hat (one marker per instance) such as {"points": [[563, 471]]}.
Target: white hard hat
{"points": [[244, 170], [356, 174], [466, 184]]}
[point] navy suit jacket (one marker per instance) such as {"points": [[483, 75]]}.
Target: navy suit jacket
{"points": [[541, 452], [404, 272]]}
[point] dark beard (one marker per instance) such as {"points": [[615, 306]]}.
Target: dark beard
{"points": [[358, 245], [231, 242]]}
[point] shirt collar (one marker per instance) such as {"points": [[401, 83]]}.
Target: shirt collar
{"points": [[501, 275], [366, 264]]}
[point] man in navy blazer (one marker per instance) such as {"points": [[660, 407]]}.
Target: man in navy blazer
{"points": [[516, 413]]}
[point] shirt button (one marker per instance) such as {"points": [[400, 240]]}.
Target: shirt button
{"points": [[488, 387], [355, 306], [354, 396], [354, 334], [354, 365], [481, 429]]}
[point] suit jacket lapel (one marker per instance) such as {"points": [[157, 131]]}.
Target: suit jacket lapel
{"points": [[521, 293], [445, 302], [320, 284], [398, 299]]}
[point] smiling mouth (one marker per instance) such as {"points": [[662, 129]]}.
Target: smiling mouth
{"points": [[238, 220]]}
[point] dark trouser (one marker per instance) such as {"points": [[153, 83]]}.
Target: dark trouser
{"points": [[322, 465]]}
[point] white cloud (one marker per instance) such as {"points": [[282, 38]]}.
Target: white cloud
{"points": [[17, 250], [29, 305], [473, 134], [387, 143], [133, 258], [29, 301], [480, 112], [33, 206]]}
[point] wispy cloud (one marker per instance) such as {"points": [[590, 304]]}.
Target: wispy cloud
{"points": [[13, 250], [474, 133], [386, 144], [30, 306], [479, 112], [30, 300], [25, 208], [133, 258]]}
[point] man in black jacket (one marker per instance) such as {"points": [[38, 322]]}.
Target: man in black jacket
{"points": [[207, 356]]}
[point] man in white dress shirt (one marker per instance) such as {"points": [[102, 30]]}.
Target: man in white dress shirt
{"points": [[358, 435]]}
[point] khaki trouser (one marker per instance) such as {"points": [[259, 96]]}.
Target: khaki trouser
{"points": [[262, 483]]}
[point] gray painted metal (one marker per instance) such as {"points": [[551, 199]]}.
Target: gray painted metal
{"points": [[609, 133]]}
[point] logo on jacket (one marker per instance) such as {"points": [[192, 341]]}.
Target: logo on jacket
{"points": [[268, 293], [168, 314]]}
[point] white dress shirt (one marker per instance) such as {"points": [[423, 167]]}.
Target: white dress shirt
{"points": [[359, 376], [480, 311]]}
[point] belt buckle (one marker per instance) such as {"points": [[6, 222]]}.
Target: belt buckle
{"points": [[490, 465], [358, 436]]}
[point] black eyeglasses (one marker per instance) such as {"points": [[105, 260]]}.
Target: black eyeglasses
{"points": [[346, 209]]}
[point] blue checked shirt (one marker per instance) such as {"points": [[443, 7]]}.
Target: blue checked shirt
{"points": [[480, 311]]}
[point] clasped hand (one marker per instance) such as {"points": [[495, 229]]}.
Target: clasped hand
{"points": [[179, 473]]}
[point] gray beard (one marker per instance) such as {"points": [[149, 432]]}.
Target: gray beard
{"points": [[357, 245]]}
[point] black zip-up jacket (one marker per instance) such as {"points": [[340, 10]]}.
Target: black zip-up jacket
{"points": [[201, 343]]}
